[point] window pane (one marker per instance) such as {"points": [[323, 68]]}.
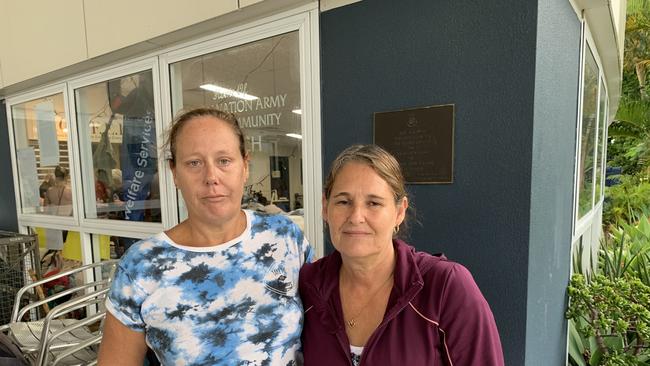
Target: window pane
{"points": [[60, 250], [260, 83], [113, 247], [602, 130], [589, 125], [64, 250], [118, 137], [41, 136]]}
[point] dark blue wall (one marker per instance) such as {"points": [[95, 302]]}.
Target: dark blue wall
{"points": [[380, 55], [8, 218]]}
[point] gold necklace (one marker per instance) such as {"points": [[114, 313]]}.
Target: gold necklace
{"points": [[352, 322]]}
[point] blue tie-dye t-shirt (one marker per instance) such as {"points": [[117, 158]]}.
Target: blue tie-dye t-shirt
{"points": [[232, 304]]}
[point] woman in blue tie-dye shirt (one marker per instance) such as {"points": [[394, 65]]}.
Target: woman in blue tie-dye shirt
{"points": [[220, 287]]}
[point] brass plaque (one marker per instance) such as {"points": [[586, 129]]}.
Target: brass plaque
{"points": [[422, 140]]}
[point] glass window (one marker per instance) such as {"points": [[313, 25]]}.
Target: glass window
{"points": [[112, 246], [60, 250], [41, 138], [588, 131], [63, 250], [260, 83], [602, 129], [117, 133]]}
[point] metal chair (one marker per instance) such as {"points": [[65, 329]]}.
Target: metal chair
{"points": [[56, 338]]}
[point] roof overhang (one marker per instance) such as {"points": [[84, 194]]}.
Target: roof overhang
{"points": [[606, 22]]}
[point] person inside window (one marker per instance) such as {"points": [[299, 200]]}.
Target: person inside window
{"points": [[58, 197], [376, 300], [222, 286], [48, 182]]}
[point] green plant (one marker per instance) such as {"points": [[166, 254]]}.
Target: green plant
{"points": [[626, 202], [629, 137], [618, 155], [637, 50], [586, 268], [625, 250], [629, 133], [613, 316], [609, 310]]}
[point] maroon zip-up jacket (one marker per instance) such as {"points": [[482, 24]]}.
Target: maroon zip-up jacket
{"points": [[436, 315]]}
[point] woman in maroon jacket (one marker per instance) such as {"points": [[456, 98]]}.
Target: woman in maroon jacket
{"points": [[377, 301]]}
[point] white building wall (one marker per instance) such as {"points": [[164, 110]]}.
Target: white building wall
{"points": [[39, 36]]}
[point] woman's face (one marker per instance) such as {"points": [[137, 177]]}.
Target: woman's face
{"points": [[210, 171], [361, 212]]}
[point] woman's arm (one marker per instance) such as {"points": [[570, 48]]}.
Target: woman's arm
{"points": [[121, 345]]}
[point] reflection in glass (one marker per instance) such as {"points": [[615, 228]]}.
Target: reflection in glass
{"points": [[117, 126], [60, 249], [602, 131], [111, 246], [56, 193], [41, 138], [588, 143], [63, 251], [260, 83]]}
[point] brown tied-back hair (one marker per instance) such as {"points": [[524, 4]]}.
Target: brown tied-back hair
{"points": [[181, 120]]}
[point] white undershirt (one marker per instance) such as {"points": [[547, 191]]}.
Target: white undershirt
{"points": [[355, 350]]}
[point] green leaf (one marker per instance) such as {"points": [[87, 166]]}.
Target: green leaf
{"points": [[596, 356], [614, 343], [576, 346]]}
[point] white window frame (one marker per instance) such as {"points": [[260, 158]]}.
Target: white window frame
{"points": [[42, 220], [581, 225], [116, 227], [305, 21], [602, 133]]}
